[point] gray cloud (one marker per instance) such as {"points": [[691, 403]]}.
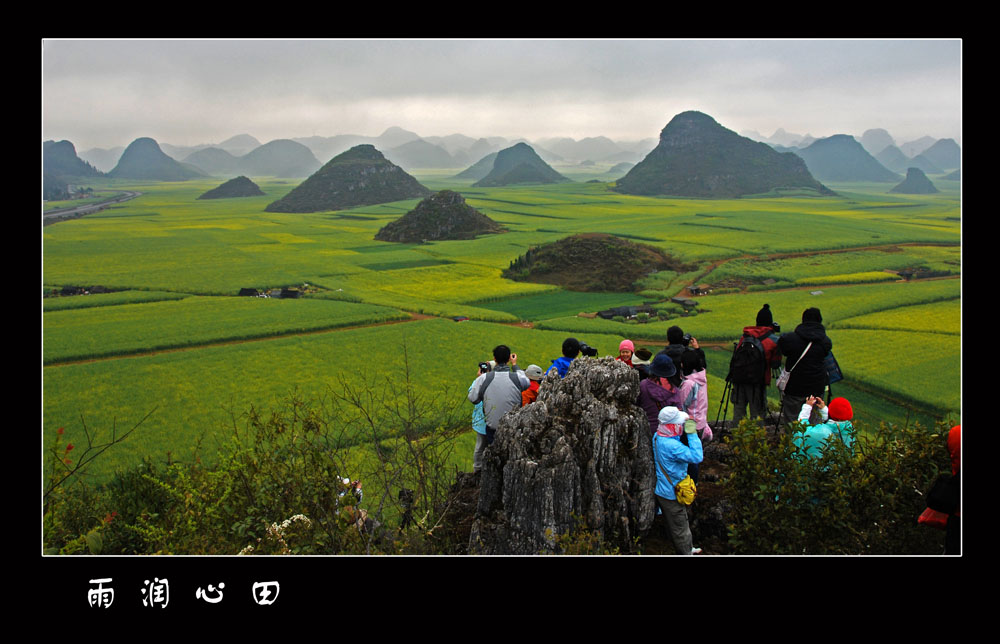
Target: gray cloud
{"points": [[106, 93]]}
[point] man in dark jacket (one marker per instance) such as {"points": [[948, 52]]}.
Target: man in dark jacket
{"points": [[808, 374], [678, 343], [750, 381]]}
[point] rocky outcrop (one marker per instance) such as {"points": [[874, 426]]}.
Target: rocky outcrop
{"points": [[580, 457]]}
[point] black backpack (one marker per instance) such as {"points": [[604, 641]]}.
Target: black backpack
{"points": [[748, 364]]}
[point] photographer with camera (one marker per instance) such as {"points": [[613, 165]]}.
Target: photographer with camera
{"points": [[499, 390], [755, 355], [680, 342], [571, 348]]}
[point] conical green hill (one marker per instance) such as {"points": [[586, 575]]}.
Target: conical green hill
{"points": [[361, 176]]}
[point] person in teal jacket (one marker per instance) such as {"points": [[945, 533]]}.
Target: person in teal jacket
{"points": [[671, 458], [836, 421]]}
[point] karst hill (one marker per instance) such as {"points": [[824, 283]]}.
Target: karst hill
{"points": [[591, 262], [842, 158], [361, 176], [698, 157], [143, 159], [444, 215], [916, 183], [59, 159], [238, 187], [519, 164]]}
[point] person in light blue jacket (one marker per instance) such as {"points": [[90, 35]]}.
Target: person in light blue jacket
{"points": [[835, 421], [671, 458], [479, 422]]}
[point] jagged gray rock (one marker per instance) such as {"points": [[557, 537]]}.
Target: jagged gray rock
{"points": [[580, 456]]}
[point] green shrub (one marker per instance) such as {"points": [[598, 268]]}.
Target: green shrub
{"points": [[865, 502], [277, 485]]}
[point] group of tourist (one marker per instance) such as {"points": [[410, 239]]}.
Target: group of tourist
{"points": [[673, 392]]}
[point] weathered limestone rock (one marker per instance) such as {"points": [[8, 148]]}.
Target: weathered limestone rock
{"points": [[578, 457]]}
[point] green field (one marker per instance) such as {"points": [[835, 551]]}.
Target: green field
{"points": [[177, 263]]}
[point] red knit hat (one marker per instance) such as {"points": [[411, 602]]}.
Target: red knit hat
{"points": [[840, 409]]}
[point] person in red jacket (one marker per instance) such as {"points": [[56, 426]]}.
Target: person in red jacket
{"points": [[534, 374], [750, 381]]}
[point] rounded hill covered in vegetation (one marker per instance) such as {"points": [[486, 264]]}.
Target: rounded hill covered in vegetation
{"points": [[361, 176], [591, 262], [697, 157], [444, 215], [143, 159], [238, 187], [916, 183], [519, 164]]}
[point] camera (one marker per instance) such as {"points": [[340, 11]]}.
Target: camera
{"points": [[687, 339], [587, 350], [776, 327], [484, 367]]}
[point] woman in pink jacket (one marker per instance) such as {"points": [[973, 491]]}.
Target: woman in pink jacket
{"points": [[694, 393]]}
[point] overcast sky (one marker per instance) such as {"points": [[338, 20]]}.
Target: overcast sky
{"points": [[107, 93]]}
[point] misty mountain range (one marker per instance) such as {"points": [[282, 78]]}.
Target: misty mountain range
{"points": [[933, 156], [299, 157], [402, 147]]}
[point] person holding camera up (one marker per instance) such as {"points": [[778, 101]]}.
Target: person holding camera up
{"points": [[499, 390], [835, 420], [805, 350], [571, 348], [678, 343]]}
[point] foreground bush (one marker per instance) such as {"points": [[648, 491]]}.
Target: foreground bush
{"points": [[840, 503], [278, 486]]}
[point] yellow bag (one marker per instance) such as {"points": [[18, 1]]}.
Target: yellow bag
{"points": [[685, 490]]}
